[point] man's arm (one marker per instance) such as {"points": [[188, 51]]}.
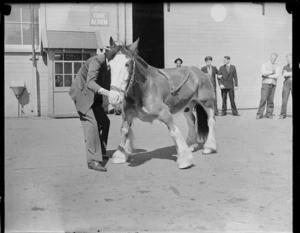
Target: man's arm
{"points": [[92, 75], [235, 78], [216, 75], [264, 71], [220, 81], [286, 74], [276, 75]]}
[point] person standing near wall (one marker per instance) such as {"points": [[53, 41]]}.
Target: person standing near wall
{"points": [[91, 82], [228, 83], [270, 72], [287, 85], [212, 72]]}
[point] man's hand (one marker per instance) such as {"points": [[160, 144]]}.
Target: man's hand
{"points": [[114, 98], [235, 88], [222, 86]]}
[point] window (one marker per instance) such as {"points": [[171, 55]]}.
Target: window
{"points": [[18, 25], [66, 66]]}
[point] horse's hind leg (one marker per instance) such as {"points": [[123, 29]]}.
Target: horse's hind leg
{"points": [[191, 139], [210, 146], [185, 156], [124, 151]]}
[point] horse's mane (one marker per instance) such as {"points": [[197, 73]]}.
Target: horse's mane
{"points": [[133, 55]]}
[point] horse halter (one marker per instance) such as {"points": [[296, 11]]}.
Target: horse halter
{"points": [[130, 83]]}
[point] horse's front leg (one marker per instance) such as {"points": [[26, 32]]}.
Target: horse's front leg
{"points": [[124, 150], [185, 156]]}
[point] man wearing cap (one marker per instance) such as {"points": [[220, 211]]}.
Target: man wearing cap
{"points": [[212, 72], [178, 62], [228, 83], [91, 82]]}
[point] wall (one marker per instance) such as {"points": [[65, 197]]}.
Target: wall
{"points": [[57, 16], [246, 35], [18, 67]]}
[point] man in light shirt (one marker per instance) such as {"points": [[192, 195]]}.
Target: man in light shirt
{"points": [[287, 85], [270, 72]]}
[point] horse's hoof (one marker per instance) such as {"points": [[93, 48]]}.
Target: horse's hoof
{"points": [[119, 157], [194, 147], [207, 151], [184, 163]]}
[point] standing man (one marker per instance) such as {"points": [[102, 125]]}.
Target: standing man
{"points": [[91, 82], [270, 72], [212, 72], [228, 83], [287, 85]]}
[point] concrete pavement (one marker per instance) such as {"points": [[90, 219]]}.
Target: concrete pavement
{"points": [[246, 186]]}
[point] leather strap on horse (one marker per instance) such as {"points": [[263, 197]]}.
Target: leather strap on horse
{"points": [[174, 91]]}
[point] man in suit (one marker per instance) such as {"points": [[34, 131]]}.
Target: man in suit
{"points": [[228, 83], [91, 82], [212, 72]]}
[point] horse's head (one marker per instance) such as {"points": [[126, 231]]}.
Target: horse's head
{"points": [[122, 67]]}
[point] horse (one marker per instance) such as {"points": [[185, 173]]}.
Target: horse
{"points": [[149, 93]]}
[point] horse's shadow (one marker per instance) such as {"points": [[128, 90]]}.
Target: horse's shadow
{"points": [[141, 156]]}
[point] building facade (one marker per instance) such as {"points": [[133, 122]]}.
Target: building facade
{"points": [[65, 35]]}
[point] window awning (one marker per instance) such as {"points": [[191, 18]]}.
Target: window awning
{"points": [[70, 40]]}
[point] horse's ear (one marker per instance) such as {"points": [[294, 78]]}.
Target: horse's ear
{"points": [[112, 43], [134, 46]]}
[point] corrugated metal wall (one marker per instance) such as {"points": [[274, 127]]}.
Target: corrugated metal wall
{"points": [[246, 35]]}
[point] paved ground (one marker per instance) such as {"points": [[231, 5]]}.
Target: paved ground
{"points": [[245, 187]]}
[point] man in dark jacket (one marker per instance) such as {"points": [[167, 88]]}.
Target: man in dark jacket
{"points": [[212, 72], [91, 82], [228, 83]]}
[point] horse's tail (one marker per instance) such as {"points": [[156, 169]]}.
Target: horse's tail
{"points": [[201, 122]]}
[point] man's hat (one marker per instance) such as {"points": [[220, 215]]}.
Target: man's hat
{"points": [[178, 59], [208, 58]]}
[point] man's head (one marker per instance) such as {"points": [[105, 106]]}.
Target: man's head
{"points": [[178, 62], [226, 60], [208, 60], [273, 57], [289, 58]]}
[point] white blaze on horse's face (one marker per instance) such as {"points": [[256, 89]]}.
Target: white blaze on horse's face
{"points": [[119, 67]]}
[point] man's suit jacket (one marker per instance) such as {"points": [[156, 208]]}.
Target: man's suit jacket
{"points": [[229, 79], [90, 77], [214, 72]]}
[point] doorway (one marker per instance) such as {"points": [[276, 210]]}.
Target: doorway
{"points": [[148, 25]]}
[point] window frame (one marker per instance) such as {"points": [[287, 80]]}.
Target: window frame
{"points": [[25, 47]]}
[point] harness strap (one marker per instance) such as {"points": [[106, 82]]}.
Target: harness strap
{"points": [[174, 91]]}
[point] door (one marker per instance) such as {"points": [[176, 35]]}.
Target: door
{"points": [[65, 67]]}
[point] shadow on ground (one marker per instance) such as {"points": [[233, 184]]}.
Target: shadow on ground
{"points": [[140, 157]]}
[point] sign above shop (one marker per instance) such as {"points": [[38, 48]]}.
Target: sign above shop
{"points": [[99, 18]]}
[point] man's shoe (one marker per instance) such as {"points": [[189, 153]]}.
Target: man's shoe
{"points": [[216, 114], [270, 117], [258, 117], [96, 165], [282, 117], [236, 114], [223, 114]]}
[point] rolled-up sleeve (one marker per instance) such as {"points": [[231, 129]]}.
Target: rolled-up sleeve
{"points": [[92, 75]]}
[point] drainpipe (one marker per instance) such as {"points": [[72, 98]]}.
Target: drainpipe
{"points": [[36, 79], [118, 23]]}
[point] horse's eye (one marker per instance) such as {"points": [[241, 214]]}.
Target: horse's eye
{"points": [[127, 65]]}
